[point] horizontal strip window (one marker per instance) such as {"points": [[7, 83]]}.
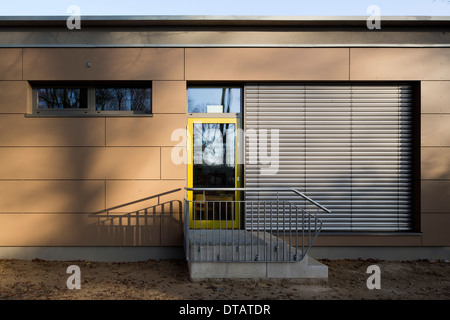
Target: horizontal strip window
{"points": [[108, 99]]}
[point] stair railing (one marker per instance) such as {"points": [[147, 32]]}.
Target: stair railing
{"points": [[223, 229]]}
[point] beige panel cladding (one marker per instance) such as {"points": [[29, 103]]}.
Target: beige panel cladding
{"points": [[399, 64], [172, 229], [435, 96], [13, 96], [78, 229], [435, 130], [435, 195], [42, 229], [80, 163], [51, 196], [435, 228], [17, 130], [105, 64], [120, 192], [271, 64], [10, 64], [159, 130], [435, 163], [128, 230], [173, 162], [169, 97]]}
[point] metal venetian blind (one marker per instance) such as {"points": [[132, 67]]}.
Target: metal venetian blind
{"points": [[347, 146]]}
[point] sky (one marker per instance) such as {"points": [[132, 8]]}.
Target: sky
{"points": [[226, 7]]}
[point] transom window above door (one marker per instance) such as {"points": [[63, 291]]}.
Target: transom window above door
{"points": [[214, 99]]}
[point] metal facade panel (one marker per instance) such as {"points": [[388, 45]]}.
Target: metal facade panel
{"points": [[347, 146]]}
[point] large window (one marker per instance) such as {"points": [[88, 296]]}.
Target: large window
{"points": [[346, 145], [105, 99]]}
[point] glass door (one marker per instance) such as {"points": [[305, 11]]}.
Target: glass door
{"points": [[213, 157]]}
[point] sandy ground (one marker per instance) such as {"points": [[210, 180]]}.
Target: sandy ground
{"points": [[169, 280]]}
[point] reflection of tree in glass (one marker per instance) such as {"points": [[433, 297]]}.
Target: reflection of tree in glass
{"points": [[62, 98], [141, 99], [222, 96], [122, 99], [199, 108], [226, 104], [214, 144]]}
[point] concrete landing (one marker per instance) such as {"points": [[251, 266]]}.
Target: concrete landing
{"points": [[241, 254], [308, 269]]}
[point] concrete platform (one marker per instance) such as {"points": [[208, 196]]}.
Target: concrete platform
{"points": [[240, 254], [308, 270], [237, 246]]}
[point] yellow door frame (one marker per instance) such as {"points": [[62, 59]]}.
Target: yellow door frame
{"points": [[208, 224]]}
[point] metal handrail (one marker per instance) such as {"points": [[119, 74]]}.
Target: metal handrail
{"points": [[215, 250], [263, 189], [317, 231]]}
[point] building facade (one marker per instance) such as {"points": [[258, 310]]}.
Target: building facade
{"points": [[103, 116]]}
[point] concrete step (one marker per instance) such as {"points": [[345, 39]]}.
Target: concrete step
{"points": [[240, 254], [239, 246], [306, 269]]}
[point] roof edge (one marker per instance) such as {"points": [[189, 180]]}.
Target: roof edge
{"points": [[217, 20]]}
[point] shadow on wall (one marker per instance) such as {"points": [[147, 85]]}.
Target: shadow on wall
{"points": [[142, 227], [59, 175]]}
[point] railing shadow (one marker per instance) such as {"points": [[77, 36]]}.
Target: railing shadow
{"points": [[142, 227]]}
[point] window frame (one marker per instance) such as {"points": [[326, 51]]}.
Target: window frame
{"points": [[216, 86], [91, 110]]}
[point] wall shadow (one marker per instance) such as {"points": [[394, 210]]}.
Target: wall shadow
{"points": [[142, 227]]}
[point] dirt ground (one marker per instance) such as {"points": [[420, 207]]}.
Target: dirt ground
{"points": [[169, 280]]}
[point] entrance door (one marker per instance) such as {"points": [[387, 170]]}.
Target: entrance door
{"points": [[212, 152]]}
